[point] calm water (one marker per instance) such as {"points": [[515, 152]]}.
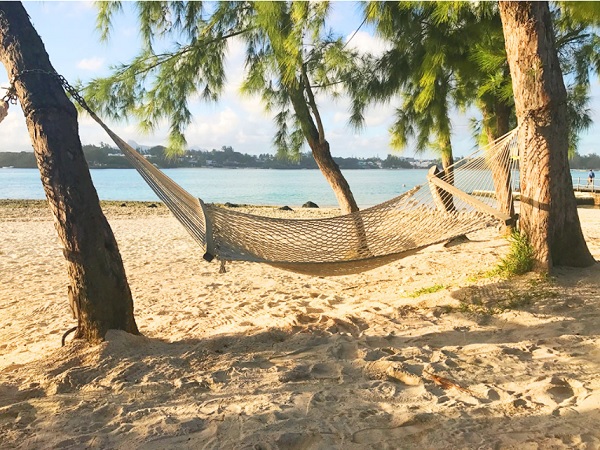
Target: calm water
{"points": [[252, 186]]}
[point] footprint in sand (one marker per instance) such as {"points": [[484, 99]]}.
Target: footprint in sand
{"points": [[318, 371], [393, 434], [345, 350], [570, 394], [560, 390]]}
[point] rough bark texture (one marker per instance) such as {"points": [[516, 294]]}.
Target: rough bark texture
{"points": [[98, 288], [548, 213], [448, 173]]}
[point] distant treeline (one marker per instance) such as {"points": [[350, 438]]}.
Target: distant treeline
{"points": [[107, 157], [585, 162]]}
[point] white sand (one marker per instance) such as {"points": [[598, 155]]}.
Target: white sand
{"points": [[259, 358]]}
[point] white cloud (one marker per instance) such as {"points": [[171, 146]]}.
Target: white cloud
{"points": [[366, 43], [69, 9], [14, 136], [91, 64]]}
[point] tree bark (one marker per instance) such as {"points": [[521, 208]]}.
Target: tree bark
{"points": [[447, 173], [320, 151], [98, 288], [332, 173], [548, 215]]}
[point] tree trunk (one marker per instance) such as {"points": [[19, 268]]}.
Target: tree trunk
{"points": [[98, 290], [320, 148], [502, 177], [333, 175], [448, 173], [548, 215]]}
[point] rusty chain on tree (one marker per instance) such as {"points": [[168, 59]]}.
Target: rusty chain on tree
{"points": [[11, 95]]}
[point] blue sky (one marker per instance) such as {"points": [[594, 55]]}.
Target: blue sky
{"points": [[68, 32]]}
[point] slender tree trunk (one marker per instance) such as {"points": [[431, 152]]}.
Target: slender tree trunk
{"points": [[320, 150], [333, 175], [448, 173], [98, 289], [342, 191], [548, 213]]}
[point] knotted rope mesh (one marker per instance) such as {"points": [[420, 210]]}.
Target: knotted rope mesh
{"points": [[354, 242]]}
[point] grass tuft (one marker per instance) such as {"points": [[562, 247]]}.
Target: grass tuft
{"points": [[519, 259], [427, 290]]}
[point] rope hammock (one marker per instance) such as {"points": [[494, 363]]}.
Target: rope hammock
{"points": [[354, 242], [474, 193]]}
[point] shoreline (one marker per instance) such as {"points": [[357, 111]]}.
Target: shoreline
{"points": [[114, 206], [39, 209]]}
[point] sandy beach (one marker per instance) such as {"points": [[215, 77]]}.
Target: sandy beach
{"points": [[429, 352]]}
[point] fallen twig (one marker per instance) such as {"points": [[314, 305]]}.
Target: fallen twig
{"points": [[446, 383]]}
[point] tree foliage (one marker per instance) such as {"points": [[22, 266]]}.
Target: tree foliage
{"points": [[158, 83], [288, 52], [434, 66], [447, 56], [442, 57]]}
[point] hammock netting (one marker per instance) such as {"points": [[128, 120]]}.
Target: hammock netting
{"points": [[351, 243]]}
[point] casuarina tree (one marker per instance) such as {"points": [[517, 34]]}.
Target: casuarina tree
{"points": [[288, 48], [548, 215], [98, 288]]}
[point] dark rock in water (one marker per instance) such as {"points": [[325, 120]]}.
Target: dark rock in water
{"points": [[310, 205], [152, 205], [285, 208], [123, 204], [232, 205]]}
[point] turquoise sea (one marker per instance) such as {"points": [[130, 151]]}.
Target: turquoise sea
{"points": [[250, 186]]}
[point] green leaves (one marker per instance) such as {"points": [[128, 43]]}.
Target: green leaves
{"points": [[443, 56], [289, 54], [156, 86]]}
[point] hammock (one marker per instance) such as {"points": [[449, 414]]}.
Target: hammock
{"points": [[353, 242]]}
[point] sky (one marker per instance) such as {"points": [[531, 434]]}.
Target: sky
{"points": [[73, 44]]}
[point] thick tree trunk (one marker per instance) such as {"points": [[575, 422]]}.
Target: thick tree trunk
{"points": [[548, 213], [98, 288]]}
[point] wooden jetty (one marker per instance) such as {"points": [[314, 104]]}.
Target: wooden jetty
{"points": [[585, 195]]}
